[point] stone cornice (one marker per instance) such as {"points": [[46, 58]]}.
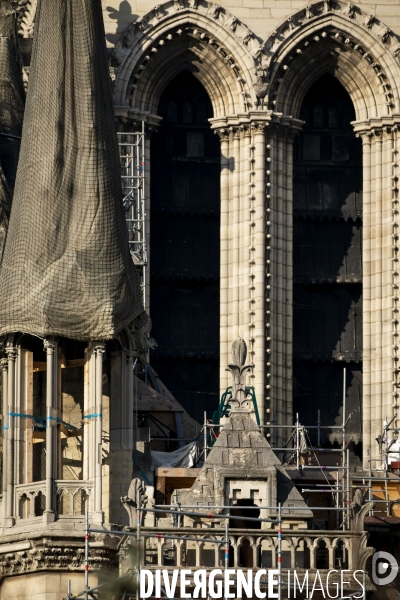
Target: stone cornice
{"points": [[377, 126], [127, 117], [26, 553]]}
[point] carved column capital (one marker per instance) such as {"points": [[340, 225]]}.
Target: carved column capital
{"points": [[235, 131], [11, 352], [223, 133], [49, 346], [4, 364], [99, 348], [258, 126]]}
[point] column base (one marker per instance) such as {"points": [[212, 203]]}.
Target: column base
{"points": [[98, 517], [9, 521], [49, 516]]}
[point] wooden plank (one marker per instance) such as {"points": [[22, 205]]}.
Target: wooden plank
{"points": [[39, 366], [176, 472], [76, 362]]}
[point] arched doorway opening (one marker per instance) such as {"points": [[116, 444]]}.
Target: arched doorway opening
{"points": [[184, 233], [327, 256]]}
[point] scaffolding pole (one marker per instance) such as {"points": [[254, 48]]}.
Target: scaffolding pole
{"points": [[133, 179]]}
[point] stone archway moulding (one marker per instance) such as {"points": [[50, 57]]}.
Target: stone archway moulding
{"points": [[362, 52], [156, 46]]}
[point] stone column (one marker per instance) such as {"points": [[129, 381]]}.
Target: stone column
{"points": [[257, 283], [4, 368], [235, 218], [366, 258], [279, 274], [99, 352], [390, 277], [224, 258], [51, 431], [9, 518], [242, 277], [381, 281], [246, 208]]}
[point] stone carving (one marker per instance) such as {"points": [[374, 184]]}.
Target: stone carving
{"points": [[245, 36], [136, 493], [396, 51], [309, 12], [215, 10], [130, 93], [26, 10], [51, 557], [140, 330], [349, 10], [238, 370], [291, 23], [158, 12], [327, 5], [233, 24], [358, 501], [384, 34], [260, 82], [368, 21], [141, 23], [125, 40], [256, 53]]}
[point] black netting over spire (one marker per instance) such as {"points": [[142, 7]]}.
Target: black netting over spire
{"points": [[11, 112], [66, 268]]}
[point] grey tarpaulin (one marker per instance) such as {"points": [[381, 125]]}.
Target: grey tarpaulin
{"points": [[183, 457], [11, 111], [66, 268]]}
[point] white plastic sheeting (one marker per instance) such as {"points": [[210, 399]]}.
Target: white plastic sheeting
{"points": [[183, 457]]}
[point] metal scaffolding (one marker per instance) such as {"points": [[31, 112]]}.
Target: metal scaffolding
{"points": [[133, 176], [340, 489]]}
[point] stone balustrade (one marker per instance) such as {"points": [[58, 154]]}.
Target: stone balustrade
{"points": [[306, 549], [73, 498]]}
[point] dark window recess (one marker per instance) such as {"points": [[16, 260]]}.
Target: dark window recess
{"points": [[185, 221], [328, 260]]}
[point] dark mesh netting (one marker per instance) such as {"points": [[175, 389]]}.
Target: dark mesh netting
{"points": [[11, 112], [66, 268]]}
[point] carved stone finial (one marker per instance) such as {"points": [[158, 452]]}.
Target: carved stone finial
{"points": [[238, 370]]}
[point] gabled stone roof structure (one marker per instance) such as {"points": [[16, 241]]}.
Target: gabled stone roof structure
{"points": [[242, 455], [242, 464]]}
